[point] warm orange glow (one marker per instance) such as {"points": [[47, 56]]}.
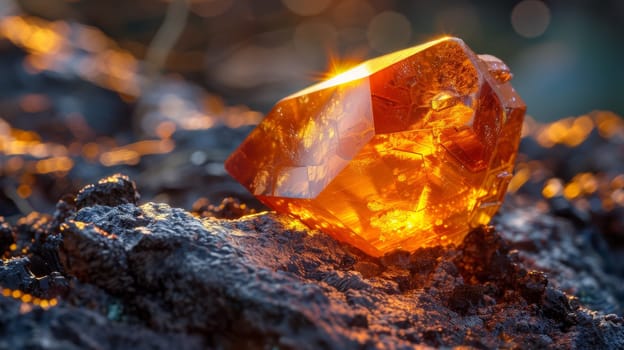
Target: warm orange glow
{"points": [[131, 154], [14, 164], [610, 125], [553, 187], [25, 308], [21, 146], [28, 300], [164, 130], [618, 197], [89, 53], [120, 156], [337, 66], [617, 182], [610, 192], [570, 132], [33, 34], [21, 142], [522, 175], [407, 150], [48, 44], [572, 190], [91, 150], [24, 191], [587, 182], [55, 164], [367, 68]]}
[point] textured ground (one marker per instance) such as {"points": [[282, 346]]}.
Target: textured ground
{"points": [[152, 276]]}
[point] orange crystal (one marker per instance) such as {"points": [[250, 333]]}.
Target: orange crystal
{"points": [[407, 150]]}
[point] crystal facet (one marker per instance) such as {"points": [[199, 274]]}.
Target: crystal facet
{"points": [[407, 150]]}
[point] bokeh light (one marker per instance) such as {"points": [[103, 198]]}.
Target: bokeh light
{"points": [[530, 18]]}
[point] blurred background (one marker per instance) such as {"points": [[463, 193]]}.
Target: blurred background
{"points": [[566, 54], [164, 90]]}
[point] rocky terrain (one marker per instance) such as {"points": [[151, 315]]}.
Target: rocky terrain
{"points": [[123, 274]]}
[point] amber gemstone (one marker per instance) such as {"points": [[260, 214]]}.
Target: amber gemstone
{"points": [[407, 150]]}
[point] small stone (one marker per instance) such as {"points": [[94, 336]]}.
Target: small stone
{"points": [[229, 208], [111, 191]]}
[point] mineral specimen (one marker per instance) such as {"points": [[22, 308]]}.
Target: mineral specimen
{"points": [[407, 150]]}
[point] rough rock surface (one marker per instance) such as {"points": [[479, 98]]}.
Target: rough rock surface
{"points": [[152, 276]]}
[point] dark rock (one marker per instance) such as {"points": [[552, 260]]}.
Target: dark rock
{"points": [[485, 256], [16, 275], [34, 238], [466, 298], [532, 285], [6, 237], [266, 281], [576, 260], [557, 306], [230, 208], [87, 255], [64, 208], [187, 274], [113, 190], [67, 327]]}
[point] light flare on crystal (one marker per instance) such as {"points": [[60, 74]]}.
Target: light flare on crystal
{"points": [[408, 150]]}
